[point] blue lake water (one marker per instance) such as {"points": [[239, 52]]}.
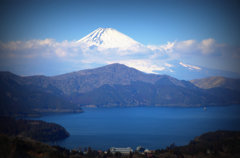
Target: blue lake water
{"points": [[151, 127]]}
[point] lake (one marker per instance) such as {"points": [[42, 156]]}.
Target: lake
{"points": [[150, 127]]}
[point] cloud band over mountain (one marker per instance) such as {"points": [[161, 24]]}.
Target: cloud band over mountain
{"points": [[104, 46]]}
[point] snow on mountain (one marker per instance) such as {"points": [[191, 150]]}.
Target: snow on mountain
{"points": [[184, 71], [190, 67], [108, 38], [116, 45]]}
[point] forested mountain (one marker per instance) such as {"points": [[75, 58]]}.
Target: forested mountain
{"points": [[90, 79], [18, 98], [111, 85]]}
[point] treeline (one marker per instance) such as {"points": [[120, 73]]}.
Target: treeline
{"points": [[34, 129], [220, 144]]}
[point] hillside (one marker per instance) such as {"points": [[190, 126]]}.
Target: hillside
{"points": [[219, 144], [34, 129], [107, 86], [113, 74], [21, 99], [216, 81], [19, 147], [162, 93]]}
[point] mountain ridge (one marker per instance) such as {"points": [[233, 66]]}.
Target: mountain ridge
{"points": [[108, 86], [110, 74], [217, 81]]}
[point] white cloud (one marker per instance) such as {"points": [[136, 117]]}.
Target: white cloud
{"points": [[166, 47], [168, 65], [31, 44], [142, 65], [204, 47], [207, 46], [60, 52], [185, 46], [149, 59], [67, 49]]}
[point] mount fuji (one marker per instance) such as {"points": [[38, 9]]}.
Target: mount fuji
{"points": [[106, 41], [109, 38]]}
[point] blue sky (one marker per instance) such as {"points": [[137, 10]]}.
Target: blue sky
{"points": [[151, 22]]}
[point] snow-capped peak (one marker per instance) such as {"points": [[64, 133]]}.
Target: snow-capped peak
{"points": [[190, 67], [108, 38]]}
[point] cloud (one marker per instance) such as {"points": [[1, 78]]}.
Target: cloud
{"points": [[143, 65], [150, 59], [185, 46], [168, 65], [65, 49], [60, 52], [27, 49], [166, 47], [207, 46], [191, 47], [31, 44]]}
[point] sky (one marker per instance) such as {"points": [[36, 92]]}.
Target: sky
{"points": [[203, 33]]}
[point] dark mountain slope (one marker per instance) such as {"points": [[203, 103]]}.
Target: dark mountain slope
{"points": [[34, 129], [219, 144], [158, 94], [18, 98], [111, 85], [19, 147], [87, 80], [113, 74], [213, 82]]}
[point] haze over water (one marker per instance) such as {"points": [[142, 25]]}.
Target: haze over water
{"points": [[150, 127]]}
